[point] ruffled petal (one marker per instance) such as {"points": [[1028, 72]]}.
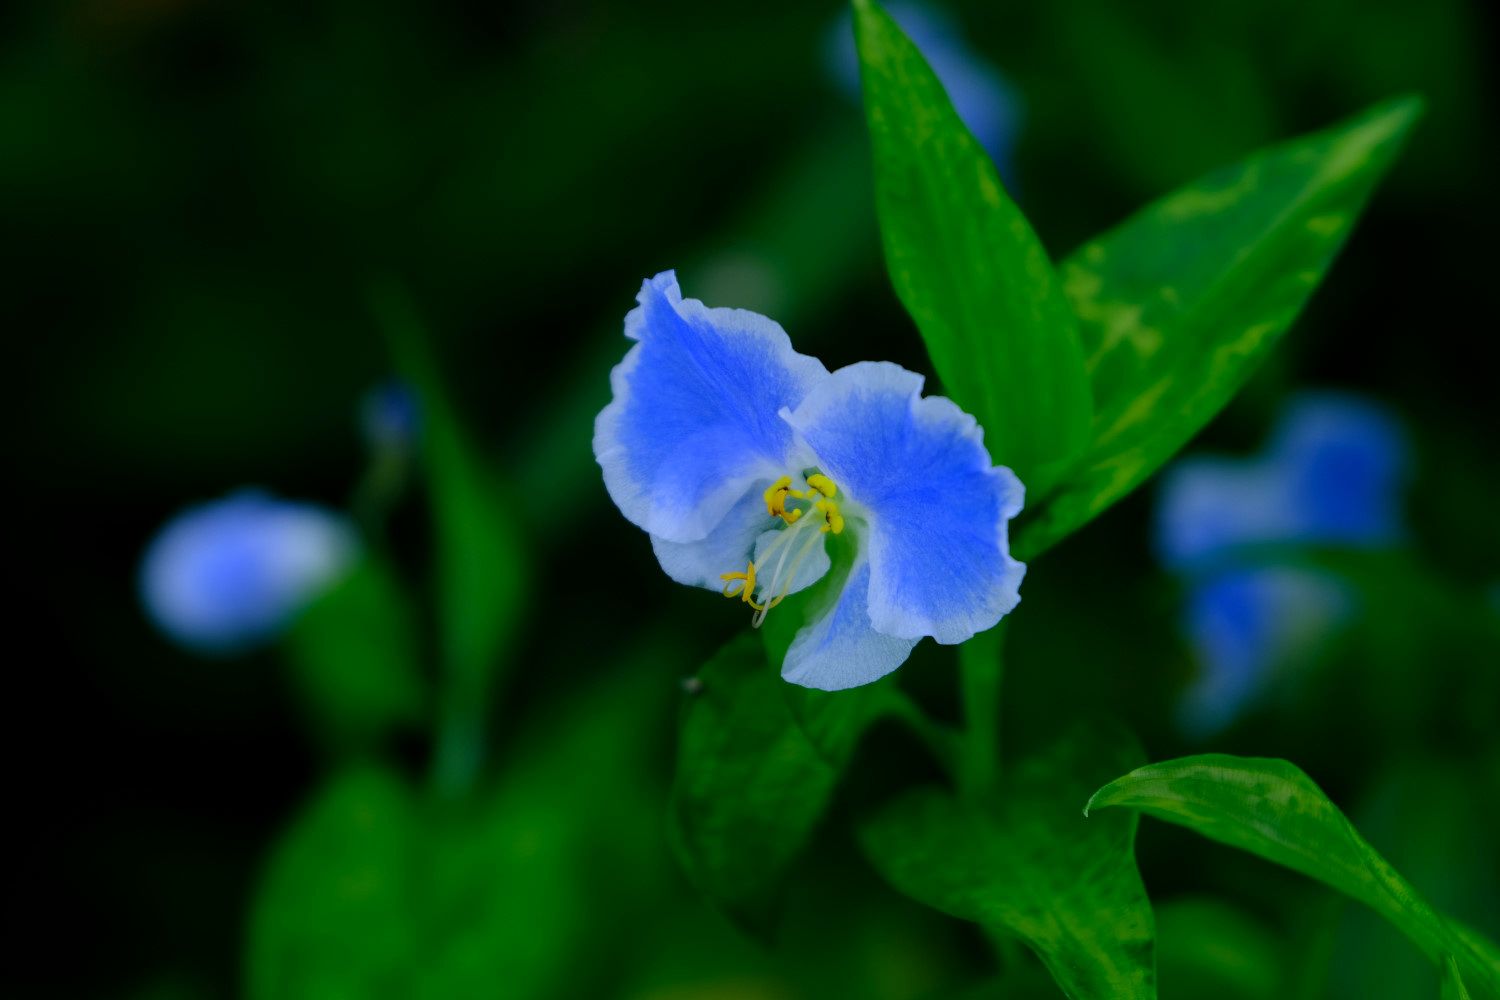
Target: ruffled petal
{"points": [[916, 470], [841, 649], [693, 423]]}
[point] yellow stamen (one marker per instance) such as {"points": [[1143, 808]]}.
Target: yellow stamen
{"points": [[742, 585], [832, 520], [823, 485], [776, 496], [778, 551]]}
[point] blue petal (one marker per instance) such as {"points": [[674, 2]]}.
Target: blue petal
{"points": [[227, 575], [1210, 505], [986, 103], [1245, 626], [1344, 460], [693, 424], [1331, 475], [934, 507], [841, 649], [726, 549]]}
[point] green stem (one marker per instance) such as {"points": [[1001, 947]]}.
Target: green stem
{"points": [[458, 725], [457, 746], [981, 670]]}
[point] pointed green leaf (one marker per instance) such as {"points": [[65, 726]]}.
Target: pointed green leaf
{"points": [[967, 266], [1453, 982], [1030, 865], [1178, 304], [756, 766], [1270, 808]]}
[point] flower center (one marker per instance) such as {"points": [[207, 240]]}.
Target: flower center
{"points": [[796, 540]]}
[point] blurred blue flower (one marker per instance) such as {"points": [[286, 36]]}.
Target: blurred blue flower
{"points": [[1246, 625], [1332, 475], [986, 103], [390, 418], [224, 576], [743, 459]]}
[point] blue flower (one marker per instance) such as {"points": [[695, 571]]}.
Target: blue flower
{"points": [[1331, 476], [225, 576], [986, 103], [742, 458], [1247, 625]]}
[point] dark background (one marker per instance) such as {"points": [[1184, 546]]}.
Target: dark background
{"points": [[196, 196]]}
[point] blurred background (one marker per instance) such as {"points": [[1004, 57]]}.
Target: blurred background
{"points": [[226, 226]]}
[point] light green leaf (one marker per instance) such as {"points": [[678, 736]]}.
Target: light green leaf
{"points": [[757, 762], [1270, 808], [479, 553], [1177, 305], [967, 266], [355, 661], [1029, 864]]}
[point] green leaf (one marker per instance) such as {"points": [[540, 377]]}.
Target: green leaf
{"points": [[479, 552], [967, 266], [1178, 304], [355, 661], [1453, 982], [757, 763], [1032, 866], [373, 892], [333, 916], [1270, 808]]}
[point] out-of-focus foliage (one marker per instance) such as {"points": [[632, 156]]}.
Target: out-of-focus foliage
{"points": [[355, 659]]}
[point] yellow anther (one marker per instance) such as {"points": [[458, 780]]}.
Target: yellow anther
{"points": [[823, 485], [776, 495], [741, 585], [832, 520]]}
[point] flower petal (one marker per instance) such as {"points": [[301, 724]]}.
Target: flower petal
{"points": [[841, 649], [804, 557], [1344, 460], [225, 576], [1331, 476], [693, 423], [726, 549], [1210, 505], [916, 469], [1246, 626]]}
